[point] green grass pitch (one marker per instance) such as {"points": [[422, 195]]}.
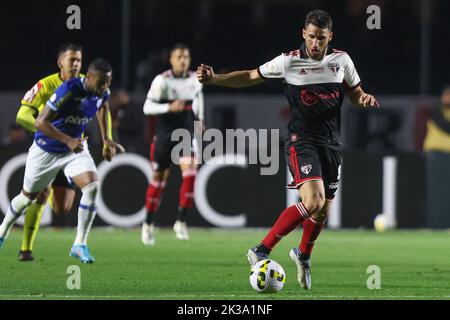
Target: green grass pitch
{"points": [[212, 265]]}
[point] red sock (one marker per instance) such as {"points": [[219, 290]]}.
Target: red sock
{"points": [[187, 189], [288, 220], [311, 230], [153, 197]]}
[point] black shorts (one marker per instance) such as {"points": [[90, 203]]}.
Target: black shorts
{"points": [[161, 150], [62, 181], [308, 162]]}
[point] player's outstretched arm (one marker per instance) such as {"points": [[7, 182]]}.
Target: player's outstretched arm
{"points": [[235, 79], [362, 99], [43, 124]]}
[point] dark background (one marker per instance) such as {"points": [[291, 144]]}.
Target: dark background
{"points": [[226, 34]]}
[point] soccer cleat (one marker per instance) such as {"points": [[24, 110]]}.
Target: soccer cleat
{"points": [[303, 269], [25, 255], [1, 241], [254, 257], [81, 251], [180, 229], [148, 234]]}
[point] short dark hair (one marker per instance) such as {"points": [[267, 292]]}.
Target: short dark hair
{"points": [[179, 45], [69, 47], [100, 65], [319, 18]]}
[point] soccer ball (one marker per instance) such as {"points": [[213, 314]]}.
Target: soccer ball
{"points": [[267, 276], [380, 222]]}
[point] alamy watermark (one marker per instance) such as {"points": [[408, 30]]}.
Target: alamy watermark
{"points": [[374, 280], [73, 22], [74, 279], [261, 146], [374, 20]]}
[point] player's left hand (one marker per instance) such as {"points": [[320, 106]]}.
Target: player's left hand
{"points": [[366, 100]]}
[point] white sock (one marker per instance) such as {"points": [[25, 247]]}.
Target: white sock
{"points": [[17, 207], [86, 212]]}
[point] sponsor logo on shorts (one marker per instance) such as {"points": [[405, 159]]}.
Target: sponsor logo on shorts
{"points": [[306, 168]]}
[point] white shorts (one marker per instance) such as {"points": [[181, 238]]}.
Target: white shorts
{"points": [[42, 166]]}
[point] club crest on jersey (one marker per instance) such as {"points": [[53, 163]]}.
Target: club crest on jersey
{"points": [[294, 138], [334, 66], [306, 168]]}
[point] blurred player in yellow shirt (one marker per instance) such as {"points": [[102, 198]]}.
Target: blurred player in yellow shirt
{"points": [[63, 191]]}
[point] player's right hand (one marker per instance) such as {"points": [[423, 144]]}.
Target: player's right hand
{"points": [[205, 74], [177, 105], [76, 145]]}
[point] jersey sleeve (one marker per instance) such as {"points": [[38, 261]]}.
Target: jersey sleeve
{"points": [[60, 97], [351, 77], [274, 68], [26, 118], [157, 97], [158, 89], [35, 97]]}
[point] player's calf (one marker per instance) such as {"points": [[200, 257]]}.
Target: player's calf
{"points": [[17, 207], [86, 212]]}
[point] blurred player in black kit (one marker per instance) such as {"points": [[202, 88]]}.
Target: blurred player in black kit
{"points": [[176, 97]]}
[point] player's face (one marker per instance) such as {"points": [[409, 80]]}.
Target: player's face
{"points": [[98, 82], [180, 59], [69, 63], [316, 40]]}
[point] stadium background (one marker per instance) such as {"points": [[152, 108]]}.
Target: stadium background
{"points": [[403, 64]]}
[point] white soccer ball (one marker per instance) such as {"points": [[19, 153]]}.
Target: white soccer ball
{"points": [[267, 276], [380, 222]]}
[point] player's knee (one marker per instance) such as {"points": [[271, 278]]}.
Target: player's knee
{"points": [[315, 203], [320, 216], [158, 176], [90, 191]]}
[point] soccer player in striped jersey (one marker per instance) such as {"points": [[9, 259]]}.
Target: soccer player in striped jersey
{"points": [[316, 78], [59, 145], [176, 97], [62, 193]]}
